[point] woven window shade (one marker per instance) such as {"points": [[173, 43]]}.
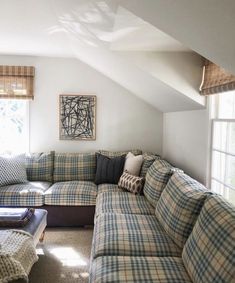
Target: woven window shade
{"points": [[215, 79], [16, 82]]}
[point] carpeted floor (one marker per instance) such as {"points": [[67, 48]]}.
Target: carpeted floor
{"points": [[63, 257]]}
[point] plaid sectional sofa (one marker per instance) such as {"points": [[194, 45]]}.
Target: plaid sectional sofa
{"points": [[176, 232], [63, 184]]}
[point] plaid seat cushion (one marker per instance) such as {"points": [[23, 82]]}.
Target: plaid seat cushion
{"points": [[131, 235], [121, 269], [179, 206], [149, 159], [112, 154], [71, 193], [108, 188], [74, 167], [156, 179], [209, 253], [28, 195], [122, 202], [39, 166]]}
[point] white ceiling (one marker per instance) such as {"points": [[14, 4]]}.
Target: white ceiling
{"points": [[98, 32], [40, 28]]}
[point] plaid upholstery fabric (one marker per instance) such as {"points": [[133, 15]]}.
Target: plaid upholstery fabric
{"points": [[108, 188], [131, 235], [74, 167], [122, 202], [179, 206], [112, 154], [28, 195], [71, 193], [121, 269], [209, 253], [39, 166], [148, 161], [156, 179]]}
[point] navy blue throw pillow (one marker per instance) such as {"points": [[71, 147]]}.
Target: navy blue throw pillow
{"points": [[108, 170]]}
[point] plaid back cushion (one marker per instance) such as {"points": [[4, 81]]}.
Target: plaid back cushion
{"points": [[112, 154], [131, 183], [156, 179], [179, 206], [39, 166], [149, 159], [209, 253], [74, 167]]}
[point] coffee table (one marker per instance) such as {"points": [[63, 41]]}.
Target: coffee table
{"points": [[36, 226]]}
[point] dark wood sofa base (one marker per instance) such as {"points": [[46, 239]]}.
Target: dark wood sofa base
{"points": [[69, 216]]}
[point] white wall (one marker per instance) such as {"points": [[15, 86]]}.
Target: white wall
{"points": [[180, 70], [185, 141], [123, 120]]}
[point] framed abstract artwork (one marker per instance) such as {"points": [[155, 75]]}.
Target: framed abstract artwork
{"points": [[77, 117]]}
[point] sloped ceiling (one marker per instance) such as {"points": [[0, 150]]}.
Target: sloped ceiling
{"points": [[118, 38], [205, 26]]}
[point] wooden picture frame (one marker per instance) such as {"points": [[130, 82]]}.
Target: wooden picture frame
{"points": [[77, 116]]}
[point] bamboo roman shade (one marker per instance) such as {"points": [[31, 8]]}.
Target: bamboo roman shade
{"points": [[216, 80], [16, 82]]}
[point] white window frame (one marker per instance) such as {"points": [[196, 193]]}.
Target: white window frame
{"points": [[27, 126], [227, 153], [214, 114]]}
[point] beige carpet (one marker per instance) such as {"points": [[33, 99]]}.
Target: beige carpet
{"points": [[63, 257]]}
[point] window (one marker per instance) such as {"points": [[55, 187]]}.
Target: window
{"points": [[14, 130], [223, 146], [16, 88]]}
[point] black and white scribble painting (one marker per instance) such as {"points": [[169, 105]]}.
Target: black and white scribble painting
{"points": [[77, 117]]}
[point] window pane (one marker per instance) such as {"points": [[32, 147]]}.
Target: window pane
{"points": [[226, 192], [231, 138], [218, 188], [224, 136], [13, 126], [218, 165], [223, 168], [227, 105], [220, 135], [230, 176]]}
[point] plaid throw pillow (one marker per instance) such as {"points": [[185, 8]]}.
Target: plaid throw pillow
{"points": [[131, 183], [12, 171]]}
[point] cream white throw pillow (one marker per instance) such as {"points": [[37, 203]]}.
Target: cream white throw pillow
{"points": [[133, 164]]}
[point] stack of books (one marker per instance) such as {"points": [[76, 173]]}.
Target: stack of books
{"points": [[15, 217]]}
